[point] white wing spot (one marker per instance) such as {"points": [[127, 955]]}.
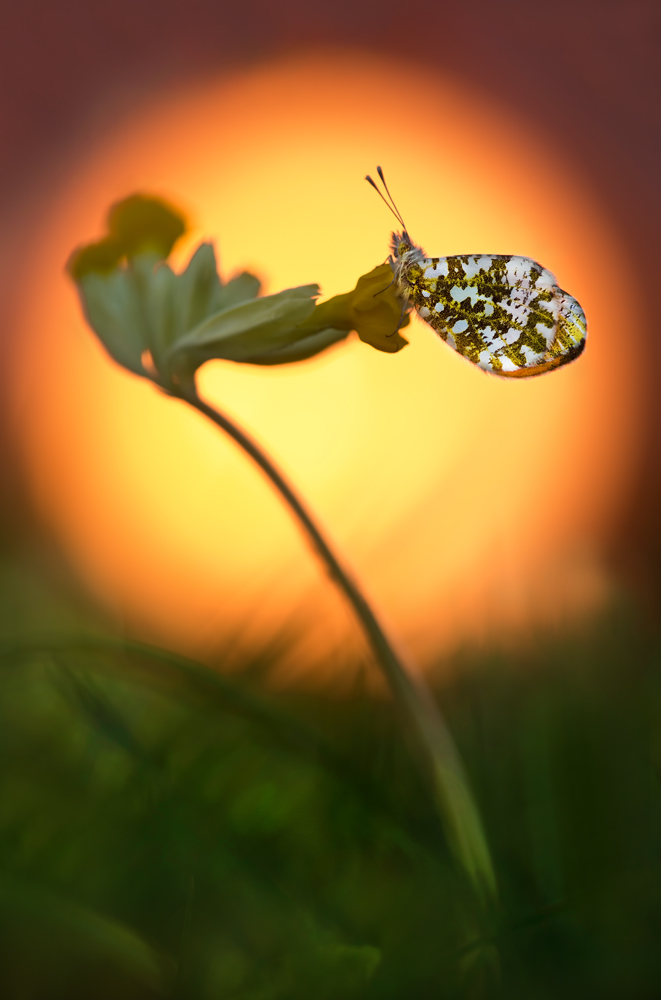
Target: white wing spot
{"points": [[531, 356], [440, 271], [459, 294], [517, 309], [483, 263]]}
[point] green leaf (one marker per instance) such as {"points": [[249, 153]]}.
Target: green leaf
{"points": [[92, 932], [248, 330], [113, 308], [352, 965], [145, 306], [305, 348], [241, 288], [159, 292], [198, 292]]}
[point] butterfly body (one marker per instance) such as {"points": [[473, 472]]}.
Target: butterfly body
{"points": [[504, 313]]}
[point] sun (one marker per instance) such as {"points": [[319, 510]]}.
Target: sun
{"points": [[469, 506]]}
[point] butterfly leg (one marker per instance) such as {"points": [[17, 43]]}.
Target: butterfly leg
{"points": [[399, 322], [382, 290]]}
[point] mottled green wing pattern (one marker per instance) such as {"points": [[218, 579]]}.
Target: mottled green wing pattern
{"points": [[506, 314]]}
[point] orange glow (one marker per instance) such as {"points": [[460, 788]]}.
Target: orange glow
{"points": [[468, 505]]}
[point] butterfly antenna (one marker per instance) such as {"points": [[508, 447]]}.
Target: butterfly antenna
{"points": [[392, 200], [391, 204]]}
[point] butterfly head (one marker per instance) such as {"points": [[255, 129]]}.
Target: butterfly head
{"points": [[404, 249], [400, 243]]}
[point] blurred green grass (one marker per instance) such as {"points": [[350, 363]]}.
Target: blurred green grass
{"points": [[165, 831]]}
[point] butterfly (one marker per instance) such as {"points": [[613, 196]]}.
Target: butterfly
{"points": [[506, 314]]}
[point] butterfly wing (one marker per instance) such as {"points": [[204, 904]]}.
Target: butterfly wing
{"points": [[506, 314]]}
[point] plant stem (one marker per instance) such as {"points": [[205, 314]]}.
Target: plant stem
{"points": [[457, 805]]}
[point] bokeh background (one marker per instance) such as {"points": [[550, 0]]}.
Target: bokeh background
{"points": [[169, 831], [473, 509]]}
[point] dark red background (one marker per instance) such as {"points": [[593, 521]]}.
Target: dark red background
{"points": [[587, 71]]}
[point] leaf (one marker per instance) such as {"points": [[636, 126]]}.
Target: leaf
{"points": [[175, 303], [87, 928], [196, 291], [145, 306], [249, 329], [302, 349], [352, 965], [199, 293], [160, 296], [112, 306], [245, 286]]}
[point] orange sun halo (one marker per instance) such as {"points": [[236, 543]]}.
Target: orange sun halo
{"points": [[468, 505]]}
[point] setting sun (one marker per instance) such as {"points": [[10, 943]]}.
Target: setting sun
{"points": [[468, 505]]}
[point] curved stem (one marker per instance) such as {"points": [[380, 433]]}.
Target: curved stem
{"points": [[458, 807]]}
